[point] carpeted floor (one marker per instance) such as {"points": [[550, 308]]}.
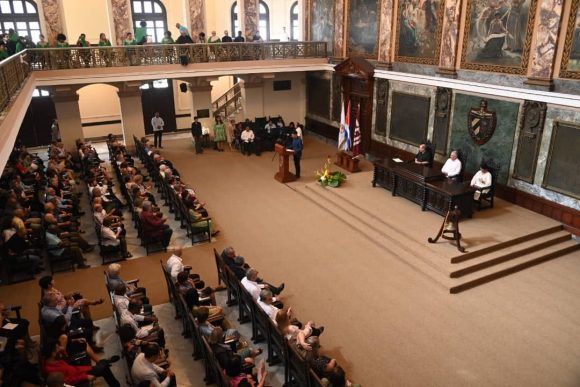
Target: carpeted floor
{"points": [[387, 324]]}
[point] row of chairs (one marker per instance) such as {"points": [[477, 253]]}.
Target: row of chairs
{"points": [[172, 199], [297, 370]]}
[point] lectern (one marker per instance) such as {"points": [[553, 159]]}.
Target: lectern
{"points": [[283, 175]]}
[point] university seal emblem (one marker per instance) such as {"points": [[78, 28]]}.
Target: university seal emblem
{"points": [[481, 123]]}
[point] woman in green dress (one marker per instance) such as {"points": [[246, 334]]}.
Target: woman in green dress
{"points": [[62, 58], [84, 55], [167, 39], [129, 41], [105, 54], [219, 133], [3, 51], [198, 221], [103, 41], [130, 53], [42, 43], [61, 41]]}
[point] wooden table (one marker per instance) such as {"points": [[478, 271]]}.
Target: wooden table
{"points": [[427, 187]]}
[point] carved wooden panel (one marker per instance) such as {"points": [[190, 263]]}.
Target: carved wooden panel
{"points": [[442, 118], [531, 128], [382, 107], [336, 96], [409, 118], [562, 164]]}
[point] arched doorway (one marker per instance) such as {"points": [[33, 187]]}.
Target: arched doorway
{"points": [[100, 110]]}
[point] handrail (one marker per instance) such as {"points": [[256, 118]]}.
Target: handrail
{"points": [[13, 73], [68, 58], [228, 95]]}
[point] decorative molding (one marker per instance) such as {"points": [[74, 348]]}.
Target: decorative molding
{"points": [[251, 18], [121, 19], [197, 17], [443, 99], [522, 69], [564, 71], [533, 116], [448, 55], [53, 19], [411, 59], [339, 27], [547, 31], [385, 30]]}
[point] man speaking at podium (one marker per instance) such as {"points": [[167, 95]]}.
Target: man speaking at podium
{"points": [[297, 147]]}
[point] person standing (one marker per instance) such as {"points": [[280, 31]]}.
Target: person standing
{"points": [[219, 133], [196, 132], [55, 131], [239, 38], [297, 148], [227, 38], [157, 123]]}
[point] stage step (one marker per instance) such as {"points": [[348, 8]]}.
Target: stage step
{"points": [[499, 256], [506, 244], [511, 266], [372, 229]]}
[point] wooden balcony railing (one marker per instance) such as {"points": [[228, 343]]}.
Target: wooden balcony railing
{"points": [[152, 55], [13, 74]]}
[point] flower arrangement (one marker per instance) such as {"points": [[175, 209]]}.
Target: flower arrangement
{"points": [[328, 178]]}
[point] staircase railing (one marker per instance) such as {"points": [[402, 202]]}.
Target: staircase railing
{"points": [[229, 102], [13, 74]]}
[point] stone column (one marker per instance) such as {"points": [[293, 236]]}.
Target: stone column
{"points": [[385, 32], [253, 96], [448, 55], [251, 18], [53, 19], [200, 89], [339, 28], [544, 44], [197, 18], [121, 10], [131, 112], [66, 105]]}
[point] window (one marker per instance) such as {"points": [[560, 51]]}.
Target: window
{"points": [[235, 19], [263, 24], [40, 93], [157, 84], [22, 16], [295, 22], [154, 14]]}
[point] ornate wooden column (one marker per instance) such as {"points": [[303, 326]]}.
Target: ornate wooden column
{"points": [[339, 26], [121, 10], [386, 32], [544, 45], [197, 17], [448, 55], [53, 19], [251, 17]]}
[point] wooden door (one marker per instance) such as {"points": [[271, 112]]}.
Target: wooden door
{"points": [[158, 97], [35, 128]]}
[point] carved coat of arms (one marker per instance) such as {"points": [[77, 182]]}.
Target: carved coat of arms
{"points": [[481, 123]]}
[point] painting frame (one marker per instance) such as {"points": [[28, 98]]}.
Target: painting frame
{"points": [[330, 44], [545, 184], [522, 69], [565, 72], [351, 52], [420, 60]]}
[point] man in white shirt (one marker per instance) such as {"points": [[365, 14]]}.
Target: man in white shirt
{"points": [[151, 332], [481, 179], [247, 137], [174, 264], [452, 167], [265, 303], [157, 123], [249, 282], [145, 370], [270, 126]]}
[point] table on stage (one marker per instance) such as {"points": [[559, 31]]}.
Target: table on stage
{"points": [[423, 185]]}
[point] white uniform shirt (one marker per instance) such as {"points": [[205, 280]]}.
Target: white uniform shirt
{"points": [[481, 180], [252, 287], [452, 167], [270, 310], [174, 266], [108, 237], [157, 124], [143, 370], [247, 136]]}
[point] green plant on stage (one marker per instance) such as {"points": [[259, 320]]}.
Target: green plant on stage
{"points": [[326, 177]]}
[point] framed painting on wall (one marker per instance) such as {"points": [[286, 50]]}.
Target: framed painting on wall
{"points": [[362, 33], [418, 36], [498, 35], [322, 22], [571, 58]]}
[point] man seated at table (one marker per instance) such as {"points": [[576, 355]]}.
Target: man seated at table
{"points": [[481, 179], [452, 167], [424, 156]]}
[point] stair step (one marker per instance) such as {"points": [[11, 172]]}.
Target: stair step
{"points": [[512, 266], [512, 252], [503, 245]]}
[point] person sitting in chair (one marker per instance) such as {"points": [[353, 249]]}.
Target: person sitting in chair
{"points": [[247, 137], [480, 180], [424, 156], [452, 167]]}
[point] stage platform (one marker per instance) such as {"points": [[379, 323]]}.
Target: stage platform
{"points": [[498, 241]]}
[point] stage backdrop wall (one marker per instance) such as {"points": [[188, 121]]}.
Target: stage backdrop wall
{"points": [[499, 147]]}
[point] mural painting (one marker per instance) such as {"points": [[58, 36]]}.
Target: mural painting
{"points": [[322, 27], [363, 21]]}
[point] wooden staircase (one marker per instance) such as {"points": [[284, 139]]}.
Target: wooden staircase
{"points": [[229, 104], [457, 273]]}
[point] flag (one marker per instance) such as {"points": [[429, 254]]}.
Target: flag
{"points": [[357, 136], [344, 132]]}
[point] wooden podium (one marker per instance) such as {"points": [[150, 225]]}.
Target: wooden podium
{"points": [[283, 175]]}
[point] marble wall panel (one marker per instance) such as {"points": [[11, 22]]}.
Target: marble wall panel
{"points": [[448, 54], [339, 28], [251, 18], [385, 30], [499, 147], [546, 34], [53, 19], [197, 16], [121, 19]]}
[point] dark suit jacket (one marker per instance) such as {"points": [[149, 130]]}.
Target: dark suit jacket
{"points": [[196, 129]]}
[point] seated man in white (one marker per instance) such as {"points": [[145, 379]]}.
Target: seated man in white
{"points": [[452, 166], [247, 137], [145, 370], [174, 264], [251, 284], [481, 179]]}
